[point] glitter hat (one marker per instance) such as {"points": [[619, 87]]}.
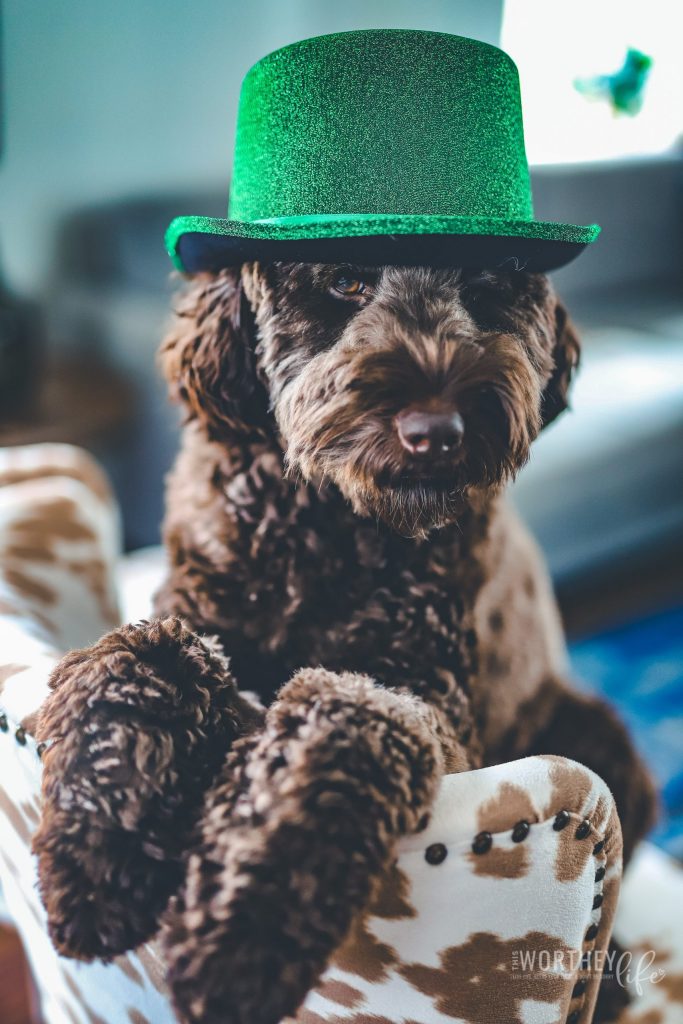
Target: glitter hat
{"points": [[380, 146]]}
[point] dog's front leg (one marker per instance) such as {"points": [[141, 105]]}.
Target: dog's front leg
{"points": [[136, 728], [303, 822]]}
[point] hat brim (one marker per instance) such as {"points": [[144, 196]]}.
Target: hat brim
{"points": [[206, 243]]}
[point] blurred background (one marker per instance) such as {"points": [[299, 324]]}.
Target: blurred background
{"points": [[118, 116]]}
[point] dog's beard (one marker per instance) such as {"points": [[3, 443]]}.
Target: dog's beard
{"points": [[412, 507], [338, 422]]}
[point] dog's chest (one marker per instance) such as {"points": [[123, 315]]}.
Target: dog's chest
{"points": [[313, 584]]}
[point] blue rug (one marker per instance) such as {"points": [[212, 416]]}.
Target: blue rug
{"points": [[638, 667]]}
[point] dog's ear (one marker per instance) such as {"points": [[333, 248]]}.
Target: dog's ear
{"points": [[566, 353], [208, 356]]}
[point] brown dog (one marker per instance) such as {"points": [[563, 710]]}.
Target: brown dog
{"points": [[337, 502]]}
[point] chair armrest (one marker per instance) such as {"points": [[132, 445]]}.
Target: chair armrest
{"points": [[59, 544], [488, 913]]}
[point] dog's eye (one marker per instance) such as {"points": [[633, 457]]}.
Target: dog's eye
{"points": [[349, 287]]}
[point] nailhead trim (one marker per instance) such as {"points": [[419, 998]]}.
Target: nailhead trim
{"points": [[562, 819], [592, 931], [583, 830], [520, 831], [436, 854], [18, 731], [579, 988], [482, 842]]}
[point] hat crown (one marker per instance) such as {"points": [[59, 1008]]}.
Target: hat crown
{"points": [[381, 121]]}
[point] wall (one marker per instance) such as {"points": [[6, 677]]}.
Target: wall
{"points": [[105, 99]]}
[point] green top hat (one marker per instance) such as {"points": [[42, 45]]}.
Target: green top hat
{"points": [[382, 146]]}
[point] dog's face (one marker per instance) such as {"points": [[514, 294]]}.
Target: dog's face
{"points": [[407, 387]]}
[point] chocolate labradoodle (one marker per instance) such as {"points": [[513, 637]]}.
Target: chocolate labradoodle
{"points": [[336, 528]]}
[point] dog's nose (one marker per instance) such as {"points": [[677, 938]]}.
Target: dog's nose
{"points": [[430, 432]]}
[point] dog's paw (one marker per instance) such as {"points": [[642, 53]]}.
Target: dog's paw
{"points": [[136, 727], [292, 840]]}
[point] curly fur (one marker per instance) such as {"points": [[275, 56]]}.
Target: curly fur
{"points": [[338, 758], [301, 533], [139, 728]]}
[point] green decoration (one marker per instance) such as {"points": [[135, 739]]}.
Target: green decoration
{"points": [[625, 89], [381, 146]]}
